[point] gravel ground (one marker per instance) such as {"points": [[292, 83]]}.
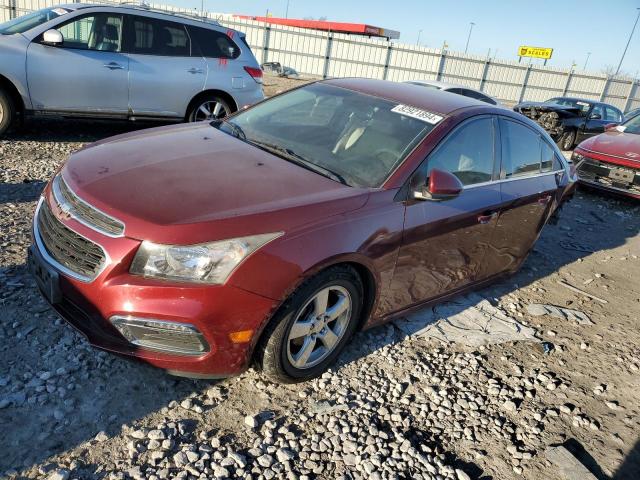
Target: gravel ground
{"points": [[395, 406]]}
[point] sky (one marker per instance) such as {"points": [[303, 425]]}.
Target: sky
{"points": [[573, 28]]}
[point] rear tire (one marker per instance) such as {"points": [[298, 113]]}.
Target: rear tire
{"points": [[209, 107], [7, 111], [567, 140], [280, 353]]}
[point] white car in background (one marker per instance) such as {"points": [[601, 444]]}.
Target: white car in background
{"points": [[459, 89]]}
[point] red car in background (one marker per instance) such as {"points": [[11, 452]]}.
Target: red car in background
{"points": [[611, 160], [273, 235]]}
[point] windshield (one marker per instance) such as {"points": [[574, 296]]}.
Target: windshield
{"points": [[568, 102], [632, 126], [32, 20], [350, 137]]}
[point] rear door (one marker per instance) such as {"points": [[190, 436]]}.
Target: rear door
{"points": [[87, 73], [163, 75], [444, 242], [529, 174]]}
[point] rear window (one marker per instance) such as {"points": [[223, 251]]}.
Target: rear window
{"points": [[213, 44], [151, 36]]}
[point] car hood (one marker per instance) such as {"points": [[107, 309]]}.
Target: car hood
{"points": [[193, 183], [614, 143], [550, 107]]}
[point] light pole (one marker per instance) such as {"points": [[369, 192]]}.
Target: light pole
{"points": [[419, 33], [471, 24], [628, 41], [585, 62], [286, 15]]}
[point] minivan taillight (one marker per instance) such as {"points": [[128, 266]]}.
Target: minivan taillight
{"points": [[256, 73]]}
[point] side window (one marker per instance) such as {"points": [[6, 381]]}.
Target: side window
{"points": [[597, 112], [612, 115], [150, 36], [212, 44], [520, 149], [468, 152], [548, 160], [101, 32]]}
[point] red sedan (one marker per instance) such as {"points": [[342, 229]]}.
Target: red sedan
{"points": [[271, 236], [611, 161]]}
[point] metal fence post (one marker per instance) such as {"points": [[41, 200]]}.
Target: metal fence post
{"points": [[12, 9], [387, 61], [443, 54], [265, 43], [483, 78], [604, 89], [566, 85], [524, 83], [327, 56], [629, 95]]}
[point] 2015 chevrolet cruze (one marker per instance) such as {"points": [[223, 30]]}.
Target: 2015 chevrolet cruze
{"points": [[275, 234]]}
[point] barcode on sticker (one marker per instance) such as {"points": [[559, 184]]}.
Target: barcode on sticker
{"points": [[417, 113]]}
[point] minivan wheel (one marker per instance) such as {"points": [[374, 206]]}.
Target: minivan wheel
{"points": [[567, 140], [7, 111], [209, 108], [311, 329]]}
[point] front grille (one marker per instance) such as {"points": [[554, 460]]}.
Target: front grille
{"points": [[83, 212], [596, 172], [73, 252]]}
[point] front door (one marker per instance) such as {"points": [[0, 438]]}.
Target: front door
{"points": [[87, 73], [528, 187], [595, 122], [444, 242], [163, 74]]}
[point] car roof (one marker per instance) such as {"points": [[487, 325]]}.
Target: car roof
{"points": [[409, 94], [137, 8], [439, 84]]}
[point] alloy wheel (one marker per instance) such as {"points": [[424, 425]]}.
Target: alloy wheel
{"points": [[319, 327], [210, 110]]}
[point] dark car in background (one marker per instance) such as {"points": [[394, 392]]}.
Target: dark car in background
{"points": [[571, 120], [611, 161], [273, 235]]}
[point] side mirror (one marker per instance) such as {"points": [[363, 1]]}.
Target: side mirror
{"points": [[442, 186], [595, 116], [610, 126], [52, 37]]}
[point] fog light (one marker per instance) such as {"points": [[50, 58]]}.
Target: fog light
{"points": [[170, 337]]}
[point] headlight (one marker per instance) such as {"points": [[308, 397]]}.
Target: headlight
{"points": [[210, 263]]}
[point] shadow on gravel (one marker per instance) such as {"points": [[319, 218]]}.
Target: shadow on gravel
{"points": [[89, 391], [630, 468], [55, 130], [28, 191]]}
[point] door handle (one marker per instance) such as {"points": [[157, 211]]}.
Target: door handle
{"points": [[484, 219], [113, 66], [195, 70], [544, 200]]}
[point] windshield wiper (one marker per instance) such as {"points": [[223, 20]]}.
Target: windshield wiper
{"points": [[293, 157]]}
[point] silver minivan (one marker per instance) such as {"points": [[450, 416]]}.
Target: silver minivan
{"points": [[123, 62]]}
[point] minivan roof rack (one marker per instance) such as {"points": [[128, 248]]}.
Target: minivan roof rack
{"points": [[138, 5]]}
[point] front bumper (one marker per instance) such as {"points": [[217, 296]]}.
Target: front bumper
{"points": [[612, 178], [215, 311]]}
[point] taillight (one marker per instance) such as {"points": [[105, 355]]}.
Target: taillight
{"points": [[256, 73]]}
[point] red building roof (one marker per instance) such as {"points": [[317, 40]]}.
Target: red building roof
{"points": [[338, 27]]}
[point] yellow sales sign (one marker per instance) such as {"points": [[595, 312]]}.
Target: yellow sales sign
{"points": [[535, 52]]}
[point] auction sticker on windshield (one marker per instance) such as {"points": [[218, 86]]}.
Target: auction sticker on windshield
{"points": [[60, 11], [417, 113]]}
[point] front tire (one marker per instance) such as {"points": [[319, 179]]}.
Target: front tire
{"points": [[567, 140], [311, 329], [7, 111], [209, 107]]}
